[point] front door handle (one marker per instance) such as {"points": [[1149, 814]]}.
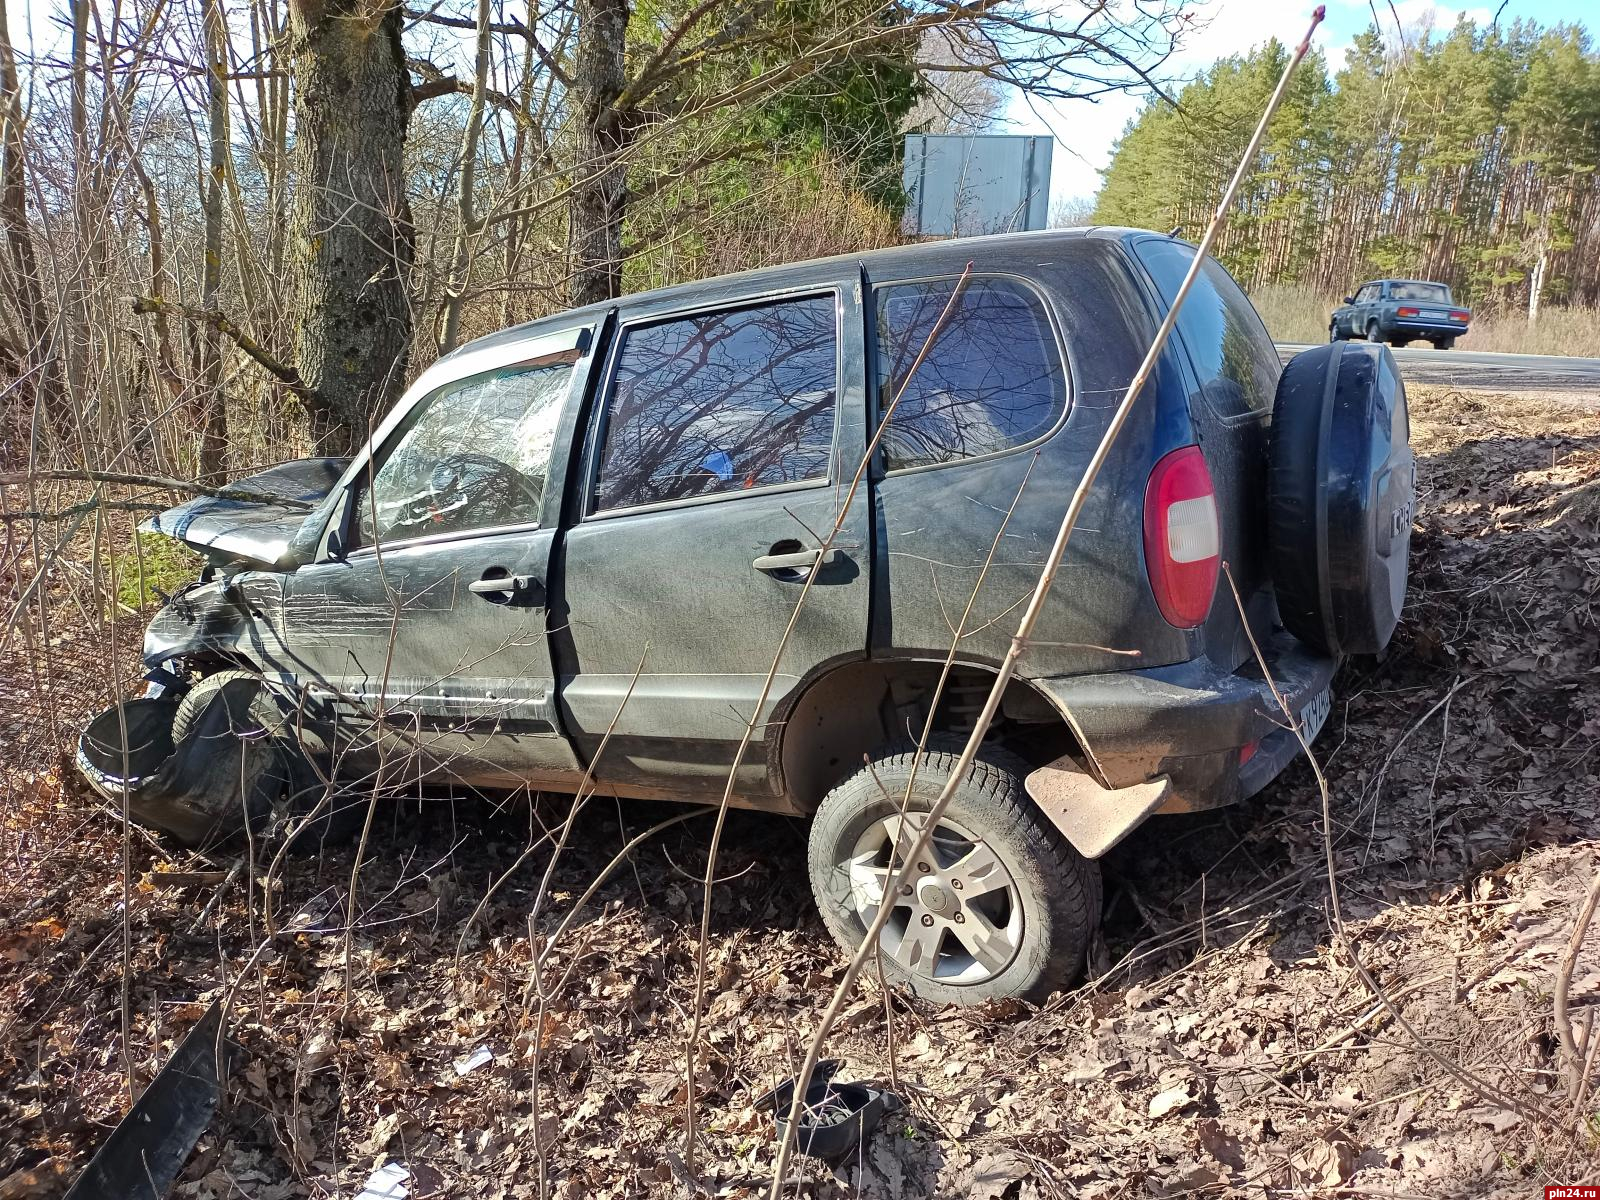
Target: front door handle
{"points": [[502, 589], [801, 560]]}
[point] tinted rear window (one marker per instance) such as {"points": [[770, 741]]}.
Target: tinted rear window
{"points": [[992, 379], [1227, 343], [1435, 293]]}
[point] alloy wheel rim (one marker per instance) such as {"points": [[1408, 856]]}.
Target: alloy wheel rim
{"points": [[958, 919]]}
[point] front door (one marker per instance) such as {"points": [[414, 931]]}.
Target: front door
{"points": [[425, 621], [719, 452]]}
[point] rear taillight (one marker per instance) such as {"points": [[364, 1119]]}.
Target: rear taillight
{"points": [[1182, 543], [1407, 312], [1459, 316]]}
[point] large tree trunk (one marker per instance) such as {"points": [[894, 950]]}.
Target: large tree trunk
{"points": [[350, 227], [23, 277], [213, 409], [599, 173]]}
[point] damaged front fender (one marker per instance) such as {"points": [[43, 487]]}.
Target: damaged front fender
{"points": [[238, 619]]}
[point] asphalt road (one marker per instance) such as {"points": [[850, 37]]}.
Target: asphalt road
{"points": [[1489, 372]]}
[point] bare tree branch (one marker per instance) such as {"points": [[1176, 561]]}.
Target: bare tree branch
{"points": [[285, 374]]}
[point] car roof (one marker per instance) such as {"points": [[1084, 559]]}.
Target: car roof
{"points": [[930, 257]]}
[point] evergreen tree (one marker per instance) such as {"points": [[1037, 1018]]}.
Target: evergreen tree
{"points": [[1467, 156]]}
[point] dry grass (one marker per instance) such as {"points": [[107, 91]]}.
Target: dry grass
{"points": [[1574, 332], [1294, 312], [1298, 313]]}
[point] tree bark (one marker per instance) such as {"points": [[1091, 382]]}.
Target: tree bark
{"points": [[213, 411], [604, 134], [24, 274], [350, 227]]}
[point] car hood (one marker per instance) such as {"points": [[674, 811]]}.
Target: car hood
{"points": [[257, 531]]}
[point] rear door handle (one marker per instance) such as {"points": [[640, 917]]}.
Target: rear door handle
{"points": [[798, 561]]}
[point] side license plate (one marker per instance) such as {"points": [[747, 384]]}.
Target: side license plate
{"points": [[1315, 714]]}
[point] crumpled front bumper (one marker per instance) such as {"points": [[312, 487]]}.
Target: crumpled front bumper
{"points": [[198, 789]]}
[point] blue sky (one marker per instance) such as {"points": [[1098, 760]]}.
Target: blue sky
{"points": [[1085, 130]]}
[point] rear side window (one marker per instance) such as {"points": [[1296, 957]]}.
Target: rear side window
{"points": [[992, 379], [1227, 343], [721, 402]]}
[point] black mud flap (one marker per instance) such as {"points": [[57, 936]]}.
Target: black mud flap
{"points": [[141, 1158]]}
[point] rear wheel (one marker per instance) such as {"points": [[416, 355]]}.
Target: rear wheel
{"points": [[1373, 333], [999, 904], [1445, 343]]}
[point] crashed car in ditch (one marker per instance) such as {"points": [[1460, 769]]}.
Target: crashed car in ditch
{"points": [[595, 527]]}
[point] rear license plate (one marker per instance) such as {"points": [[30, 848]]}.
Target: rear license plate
{"points": [[1435, 316], [1315, 714]]}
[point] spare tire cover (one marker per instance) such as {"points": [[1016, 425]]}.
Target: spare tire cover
{"points": [[1340, 490]]}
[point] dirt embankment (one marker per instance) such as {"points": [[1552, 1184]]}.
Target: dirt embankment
{"points": [[1227, 1045]]}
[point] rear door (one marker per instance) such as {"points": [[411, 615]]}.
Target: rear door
{"points": [[976, 375], [1368, 308], [427, 613], [720, 449]]}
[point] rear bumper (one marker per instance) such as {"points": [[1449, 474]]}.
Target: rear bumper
{"points": [[1191, 720], [1426, 328]]}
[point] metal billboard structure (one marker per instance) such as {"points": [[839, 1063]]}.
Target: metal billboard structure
{"points": [[970, 184]]}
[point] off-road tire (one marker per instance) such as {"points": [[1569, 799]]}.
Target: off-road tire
{"points": [[250, 709], [1059, 890], [1340, 495], [252, 717]]}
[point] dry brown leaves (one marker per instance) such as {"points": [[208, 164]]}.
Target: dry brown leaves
{"points": [[1228, 1049]]}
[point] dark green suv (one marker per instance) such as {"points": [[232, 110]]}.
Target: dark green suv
{"points": [[625, 500]]}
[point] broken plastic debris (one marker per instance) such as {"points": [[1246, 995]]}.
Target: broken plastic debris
{"points": [[834, 1117], [471, 1062], [388, 1182]]}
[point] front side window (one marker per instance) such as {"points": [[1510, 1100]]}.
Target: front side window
{"points": [[722, 402], [992, 378], [473, 455]]}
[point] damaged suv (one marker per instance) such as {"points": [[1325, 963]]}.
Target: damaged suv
{"points": [[647, 482]]}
